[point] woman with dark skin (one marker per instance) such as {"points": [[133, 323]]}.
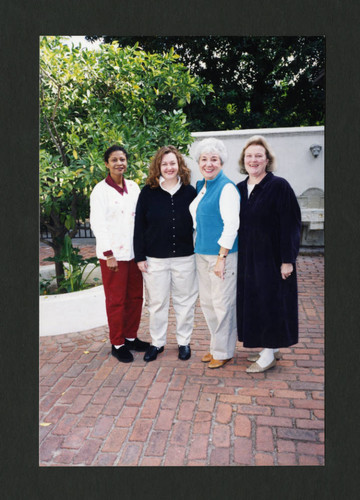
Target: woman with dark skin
{"points": [[112, 213], [269, 239]]}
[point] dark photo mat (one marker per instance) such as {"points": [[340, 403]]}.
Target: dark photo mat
{"points": [[21, 25]]}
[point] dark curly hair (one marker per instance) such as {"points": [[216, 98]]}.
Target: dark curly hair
{"points": [[113, 148], [155, 172]]}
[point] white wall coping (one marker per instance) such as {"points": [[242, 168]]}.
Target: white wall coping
{"points": [[260, 131]]}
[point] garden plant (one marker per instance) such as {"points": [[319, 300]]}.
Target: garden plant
{"points": [[90, 99]]}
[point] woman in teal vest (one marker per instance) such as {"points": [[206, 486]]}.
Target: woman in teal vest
{"points": [[215, 212]]}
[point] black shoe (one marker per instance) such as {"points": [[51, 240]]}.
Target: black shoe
{"points": [[137, 345], [152, 352], [184, 352], [122, 354]]}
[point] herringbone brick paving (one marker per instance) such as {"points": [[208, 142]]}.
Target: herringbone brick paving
{"points": [[95, 411]]}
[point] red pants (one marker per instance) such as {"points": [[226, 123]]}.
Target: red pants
{"points": [[124, 298]]}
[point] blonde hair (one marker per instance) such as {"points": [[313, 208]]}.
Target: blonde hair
{"points": [[258, 140]]}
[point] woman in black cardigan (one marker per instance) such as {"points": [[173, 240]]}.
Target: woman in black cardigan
{"points": [[269, 238], [164, 250]]}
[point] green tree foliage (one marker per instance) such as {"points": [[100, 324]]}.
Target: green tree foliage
{"points": [[92, 99], [257, 81]]}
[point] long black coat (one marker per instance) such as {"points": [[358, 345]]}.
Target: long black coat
{"points": [[269, 235]]}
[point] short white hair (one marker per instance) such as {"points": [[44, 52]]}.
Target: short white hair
{"points": [[211, 145]]}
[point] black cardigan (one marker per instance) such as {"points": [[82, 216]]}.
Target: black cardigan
{"points": [[163, 224]]}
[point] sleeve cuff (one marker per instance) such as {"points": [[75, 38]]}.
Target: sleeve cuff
{"points": [[108, 253], [139, 258], [226, 242]]}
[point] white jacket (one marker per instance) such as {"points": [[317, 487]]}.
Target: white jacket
{"points": [[112, 217]]}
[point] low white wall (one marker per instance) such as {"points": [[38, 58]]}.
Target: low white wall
{"points": [[75, 311], [291, 147], [72, 312]]}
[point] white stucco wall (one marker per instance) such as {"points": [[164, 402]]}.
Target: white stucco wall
{"points": [[72, 312], [291, 147]]}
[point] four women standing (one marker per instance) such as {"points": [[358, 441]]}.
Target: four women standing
{"points": [[250, 294]]}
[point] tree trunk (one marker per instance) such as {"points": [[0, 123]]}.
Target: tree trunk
{"points": [[59, 266]]}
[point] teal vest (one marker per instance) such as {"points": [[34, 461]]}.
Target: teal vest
{"points": [[209, 224]]}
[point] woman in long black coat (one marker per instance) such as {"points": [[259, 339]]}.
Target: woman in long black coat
{"points": [[269, 238]]}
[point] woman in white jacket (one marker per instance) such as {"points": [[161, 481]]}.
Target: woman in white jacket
{"points": [[112, 215]]}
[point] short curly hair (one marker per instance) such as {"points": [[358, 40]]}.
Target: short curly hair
{"points": [[155, 171], [113, 148], [258, 140], [211, 145]]}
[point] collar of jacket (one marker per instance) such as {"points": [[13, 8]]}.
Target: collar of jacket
{"points": [[113, 184], [263, 182]]}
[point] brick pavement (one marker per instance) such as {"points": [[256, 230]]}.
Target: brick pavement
{"points": [[95, 411]]}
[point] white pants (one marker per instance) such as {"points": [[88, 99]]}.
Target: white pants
{"points": [[218, 303], [176, 275]]}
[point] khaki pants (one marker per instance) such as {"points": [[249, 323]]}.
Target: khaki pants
{"points": [[175, 276], [218, 303]]}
